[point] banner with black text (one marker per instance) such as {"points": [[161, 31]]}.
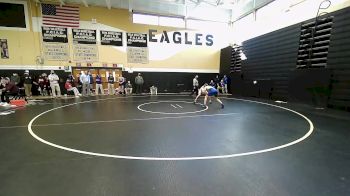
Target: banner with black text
{"points": [[111, 38], [54, 34], [136, 39], [84, 36]]}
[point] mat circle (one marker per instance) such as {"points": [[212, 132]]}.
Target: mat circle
{"points": [[307, 134], [153, 112]]}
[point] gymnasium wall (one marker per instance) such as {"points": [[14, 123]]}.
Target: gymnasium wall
{"points": [[339, 60], [271, 61], [24, 46]]}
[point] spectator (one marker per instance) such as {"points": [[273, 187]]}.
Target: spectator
{"points": [[212, 83], [79, 84], [71, 79], [15, 78], [217, 81], [2, 84], [10, 90], [111, 85], [99, 85], [47, 84], [91, 85], [122, 82], [225, 79], [42, 86], [195, 84], [28, 81], [53, 78], [128, 88], [85, 81], [35, 87], [229, 84], [68, 86], [221, 87], [139, 83]]}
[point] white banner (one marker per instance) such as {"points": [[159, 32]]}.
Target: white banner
{"points": [[137, 55], [56, 52], [87, 53]]}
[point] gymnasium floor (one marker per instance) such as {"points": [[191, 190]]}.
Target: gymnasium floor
{"points": [[166, 145]]}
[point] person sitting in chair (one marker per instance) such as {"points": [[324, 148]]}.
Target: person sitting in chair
{"points": [[10, 90], [128, 88], [68, 86]]}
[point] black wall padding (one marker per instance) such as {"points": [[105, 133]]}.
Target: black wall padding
{"points": [[270, 58], [225, 60], [311, 86], [170, 82], [339, 60], [237, 84]]}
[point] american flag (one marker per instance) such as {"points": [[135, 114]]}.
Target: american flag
{"points": [[62, 16]]}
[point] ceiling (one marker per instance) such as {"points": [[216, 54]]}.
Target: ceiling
{"points": [[214, 10]]}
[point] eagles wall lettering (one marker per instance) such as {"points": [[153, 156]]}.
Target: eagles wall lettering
{"points": [[181, 38]]}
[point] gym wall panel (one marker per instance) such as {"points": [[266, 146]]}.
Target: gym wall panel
{"points": [[225, 59], [272, 57], [339, 60]]}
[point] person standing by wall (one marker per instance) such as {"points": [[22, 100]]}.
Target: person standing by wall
{"points": [[27, 82], [212, 83], [122, 82], [99, 84], [91, 85], [217, 81], [15, 79], [229, 84], [221, 87], [110, 85], [35, 86], [53, 78], [139, 83], [2, 83], [195, 85], [42, 87], [47, 84], [225, 79], [79, 84], [85, 81]]}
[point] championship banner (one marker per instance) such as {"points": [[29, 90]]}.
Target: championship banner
{"points": [[56, 51], [54, 34], [86, 53], [136, 39], [84, 36], [137, 55], [111, 38]]}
